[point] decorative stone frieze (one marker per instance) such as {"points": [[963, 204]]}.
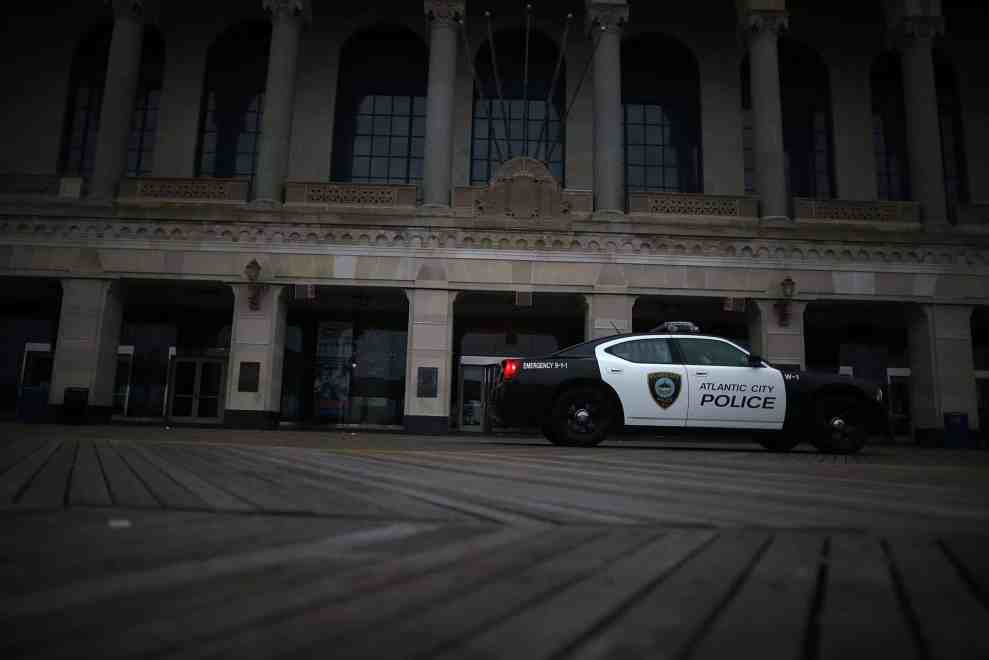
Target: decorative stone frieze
{"points": [[693, 205], [350, 194], [29, 184], [445, 10], [184, 190], [839, 210], [48, 233]]}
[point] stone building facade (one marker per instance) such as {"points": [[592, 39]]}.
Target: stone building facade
{"points": [[305, 211]]}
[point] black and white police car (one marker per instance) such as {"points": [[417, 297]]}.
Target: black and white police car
{"points": [[675, 377]]}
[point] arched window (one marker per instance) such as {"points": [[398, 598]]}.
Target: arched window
{"points": [[806, 103], [86, 100], [661, 101], [380, 127], [889, 128], [501, 131], [952, 142], [233, 101]]}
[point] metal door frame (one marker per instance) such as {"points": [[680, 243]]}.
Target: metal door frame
{"points": [[221, 397], [484, 362]]}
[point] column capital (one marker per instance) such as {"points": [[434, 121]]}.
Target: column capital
{"points": [[756, 22], [916, 30], [445, 10], [281, 10], [140, 11], [606, 14]]}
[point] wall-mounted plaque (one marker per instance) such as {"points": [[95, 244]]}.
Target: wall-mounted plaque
{"points": [[427, 382], [248, 380]]}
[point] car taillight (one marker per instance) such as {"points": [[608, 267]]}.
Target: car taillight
{"points": [[509, 369]]}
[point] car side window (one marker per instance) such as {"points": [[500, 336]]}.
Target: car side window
{"points": [[643, 351], [711, 352]]}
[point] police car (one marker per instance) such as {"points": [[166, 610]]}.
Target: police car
{"points": [[675, 377]]}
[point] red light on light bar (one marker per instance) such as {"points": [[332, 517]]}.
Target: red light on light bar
{"points": [[509, 369]]}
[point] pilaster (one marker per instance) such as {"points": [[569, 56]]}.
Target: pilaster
{"points": [[429, 366], [444, 17], [608, 314], [776, 331]]}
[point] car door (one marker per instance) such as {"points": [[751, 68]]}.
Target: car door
{"points": [[724, 391], [644, 373]]}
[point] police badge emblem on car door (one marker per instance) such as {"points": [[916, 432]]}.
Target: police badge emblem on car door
{"points": [[665, 388]]}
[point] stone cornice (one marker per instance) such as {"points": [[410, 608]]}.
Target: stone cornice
{"points": [[281, 10], [449, 11], [606, 14]]}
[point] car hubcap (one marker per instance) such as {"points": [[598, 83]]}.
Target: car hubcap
{"points": [[582, 418]]}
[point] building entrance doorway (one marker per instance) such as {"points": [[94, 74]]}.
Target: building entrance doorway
{"points": [[196, 387], [35, 381]]}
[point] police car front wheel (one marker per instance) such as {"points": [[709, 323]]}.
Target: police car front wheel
{"points": [[840, 425], [582, 417]]}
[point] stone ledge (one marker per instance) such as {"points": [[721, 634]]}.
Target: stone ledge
{"points": [[841, 210], [19, 184], [326, 194], [692, 205], [196, 189]]}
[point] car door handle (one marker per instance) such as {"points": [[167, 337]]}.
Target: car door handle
{"points": [[616, 371], [700, 373]]}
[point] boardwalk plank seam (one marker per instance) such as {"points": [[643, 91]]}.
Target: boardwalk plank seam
{"points": [[906, 607], [52, 449], [112, 446], [812, 636], [160, 457], [965, 574], [68, 480]]}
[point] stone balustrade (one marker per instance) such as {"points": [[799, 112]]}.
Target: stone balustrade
{"points": [[199, 189], [693, 205], [840, 210], [321, 193]]}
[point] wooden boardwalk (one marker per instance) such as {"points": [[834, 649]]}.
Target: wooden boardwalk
{"points": [[130, 542]]}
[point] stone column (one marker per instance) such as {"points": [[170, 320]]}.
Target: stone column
{"points": [[443, 21], [781, 342], [605, 21], [429, 365], [122, 77], [287, 17], [763, 29], [257, 351], [942, 371], [608, 314], [86, 349], [916, 35]]}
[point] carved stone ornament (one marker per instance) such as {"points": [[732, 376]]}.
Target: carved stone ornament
{"points": [[910, 30], [522, 188], [448, 10], [288, 9], [608, 15], [759, 22], [133, 9]]}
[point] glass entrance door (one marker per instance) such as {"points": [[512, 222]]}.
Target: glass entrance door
{"points": [[36, 373], [196, 389]]}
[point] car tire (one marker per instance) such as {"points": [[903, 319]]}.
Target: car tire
{"points": [[839, 425], [779, 442], [582, 417]]}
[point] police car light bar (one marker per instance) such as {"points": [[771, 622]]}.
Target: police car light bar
{"points": [[677, 327]]}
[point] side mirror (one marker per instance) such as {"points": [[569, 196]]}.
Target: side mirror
{"points": [[755, 360]]}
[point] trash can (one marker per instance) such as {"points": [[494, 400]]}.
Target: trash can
{"points": [[956, 434], [75, 405]]}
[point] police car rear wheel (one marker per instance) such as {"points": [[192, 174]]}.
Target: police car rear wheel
{"points": [[840, 426], [582, 417]]}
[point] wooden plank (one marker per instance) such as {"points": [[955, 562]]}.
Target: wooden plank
{"points": [[16, 479], [377, 595], [88, 486], [125, 488], [667, 619], [165, 489], [423, 631], [969, 554], [48, 489], [18, 450], [770, 612], [553, 625], [953, 623], [215, 497], [861, 615]]}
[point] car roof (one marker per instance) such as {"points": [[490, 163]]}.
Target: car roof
{"points": [[589, 346]]}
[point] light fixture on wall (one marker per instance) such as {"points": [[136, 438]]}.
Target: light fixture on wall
{"points": [[253, 271], [787, 289]]}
